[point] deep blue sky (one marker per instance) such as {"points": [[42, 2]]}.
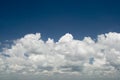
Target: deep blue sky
{"points": [[54, 18]]}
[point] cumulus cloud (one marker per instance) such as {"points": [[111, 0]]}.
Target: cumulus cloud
{"points": [[30, 54]]}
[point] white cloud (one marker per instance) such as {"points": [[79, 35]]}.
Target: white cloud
{"points": [[31, 54]]}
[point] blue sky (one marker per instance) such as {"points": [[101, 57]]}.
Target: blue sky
{"points": [[55, 18]]}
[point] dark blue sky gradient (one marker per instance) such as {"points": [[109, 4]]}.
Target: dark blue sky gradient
{"points": [[55, 18]]}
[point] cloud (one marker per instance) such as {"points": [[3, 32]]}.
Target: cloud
{"points": [[30, 54]]}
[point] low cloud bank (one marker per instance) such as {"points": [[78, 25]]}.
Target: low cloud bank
{"points": [[31, 54]]}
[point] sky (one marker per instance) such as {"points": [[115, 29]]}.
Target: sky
{"points": [[59, 40], [55, 18]]}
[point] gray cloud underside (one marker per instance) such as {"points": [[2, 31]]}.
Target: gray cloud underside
{"points": [[31, 54]]}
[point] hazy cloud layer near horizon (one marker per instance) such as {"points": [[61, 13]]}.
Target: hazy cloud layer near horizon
{"points": [[87, 58]]}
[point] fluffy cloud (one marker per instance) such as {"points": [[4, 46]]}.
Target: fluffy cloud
{"points": [[31, 54]]}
